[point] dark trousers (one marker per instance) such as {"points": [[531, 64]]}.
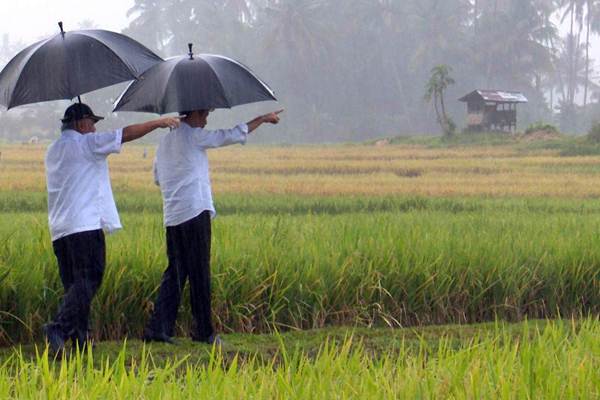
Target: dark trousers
{"points": [[188, 251], [81, 261]]}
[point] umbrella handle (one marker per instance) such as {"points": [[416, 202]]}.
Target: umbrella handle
{"points": [[191, 54], [60, 25]]}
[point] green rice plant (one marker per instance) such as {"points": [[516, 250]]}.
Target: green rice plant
{"points": [[288, 271], [558, 361]]}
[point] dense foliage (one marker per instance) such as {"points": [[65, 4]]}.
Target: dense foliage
{"points": [[358, 69]]}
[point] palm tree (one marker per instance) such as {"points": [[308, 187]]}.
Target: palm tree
{"points": [[382, 23], [296, 41], [580, 78], [243, 10], [436, 86], [440, 25], [592, 8], [149, 23], [574, 10], [296, 26], [515, 46]]}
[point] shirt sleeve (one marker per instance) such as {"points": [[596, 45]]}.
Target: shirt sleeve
{"points": [[102, 144], [205, 139]]}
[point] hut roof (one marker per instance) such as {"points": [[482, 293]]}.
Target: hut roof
{"points": [[496, 96]]}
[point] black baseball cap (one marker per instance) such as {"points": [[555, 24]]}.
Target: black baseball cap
{"points": [[79, 111]]}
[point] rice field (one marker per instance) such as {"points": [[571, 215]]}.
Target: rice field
{"points": [[358, 170], [557, 360], [310, 271], [333, 236]]}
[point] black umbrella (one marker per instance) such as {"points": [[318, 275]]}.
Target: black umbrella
{"points": [[191, 82], [70, 64]]}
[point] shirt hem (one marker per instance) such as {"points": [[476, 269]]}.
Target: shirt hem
{"points": [[85, 229], [180, 221]]}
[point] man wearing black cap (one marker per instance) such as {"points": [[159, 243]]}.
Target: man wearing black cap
{"points": [[80, 208]]}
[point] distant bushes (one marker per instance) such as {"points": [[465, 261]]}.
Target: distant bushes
{"points": [[594, 133], [541, 127], [590, 146]]}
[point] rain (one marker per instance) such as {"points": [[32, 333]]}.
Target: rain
{"points": [[347, 71]]}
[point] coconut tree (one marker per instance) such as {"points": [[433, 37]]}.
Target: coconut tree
{"points": [[436, 86], [439, 25], [574, 11], [296, 27], [149, 24], [592, 21], [580, 78], [378, 31], [515, 46], [296, 42]]}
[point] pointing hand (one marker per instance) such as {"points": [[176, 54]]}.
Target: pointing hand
{"points": [[272, 118], [169, 122]]}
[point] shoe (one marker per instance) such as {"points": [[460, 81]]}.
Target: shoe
{"points": [[55, 339], [157, 337], [215, 340], [212, 340]]}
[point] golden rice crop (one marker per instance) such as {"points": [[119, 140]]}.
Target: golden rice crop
{"points": [[348, 170]]}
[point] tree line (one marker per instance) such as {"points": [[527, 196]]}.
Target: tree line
{"points": [[358, 69]]}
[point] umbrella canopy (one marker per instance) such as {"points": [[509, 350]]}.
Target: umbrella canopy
{"points": [[191, 82], [70, 64]]}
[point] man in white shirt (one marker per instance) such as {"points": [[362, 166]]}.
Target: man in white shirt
{"points": [[181, 170], [80, 208]]}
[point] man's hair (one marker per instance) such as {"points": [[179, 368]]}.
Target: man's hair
{"points": [[189, 112], [69, 125]]}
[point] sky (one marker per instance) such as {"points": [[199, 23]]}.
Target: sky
{"points": [[30, 20]]}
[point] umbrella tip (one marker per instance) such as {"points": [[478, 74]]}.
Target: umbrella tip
{"points": [[60, 25], [191, 54]]}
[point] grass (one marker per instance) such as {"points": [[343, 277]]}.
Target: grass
{"points": [[303, 271], [502, 233], [375, 340], [310, 240], [459, 140], [550, 360]]}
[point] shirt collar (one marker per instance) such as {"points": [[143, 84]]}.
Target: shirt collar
{"points": [[185, 125], [70, 133]]}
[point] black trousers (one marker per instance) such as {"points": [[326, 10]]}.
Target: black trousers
{"points": [[81, 262], [188, 252]]}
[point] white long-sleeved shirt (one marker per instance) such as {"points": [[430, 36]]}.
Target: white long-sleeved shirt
{"points": [[181, 169], [80, 197]]}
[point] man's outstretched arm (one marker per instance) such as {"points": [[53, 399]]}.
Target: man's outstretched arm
{"points": [[270, 118], [136, 131]]}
